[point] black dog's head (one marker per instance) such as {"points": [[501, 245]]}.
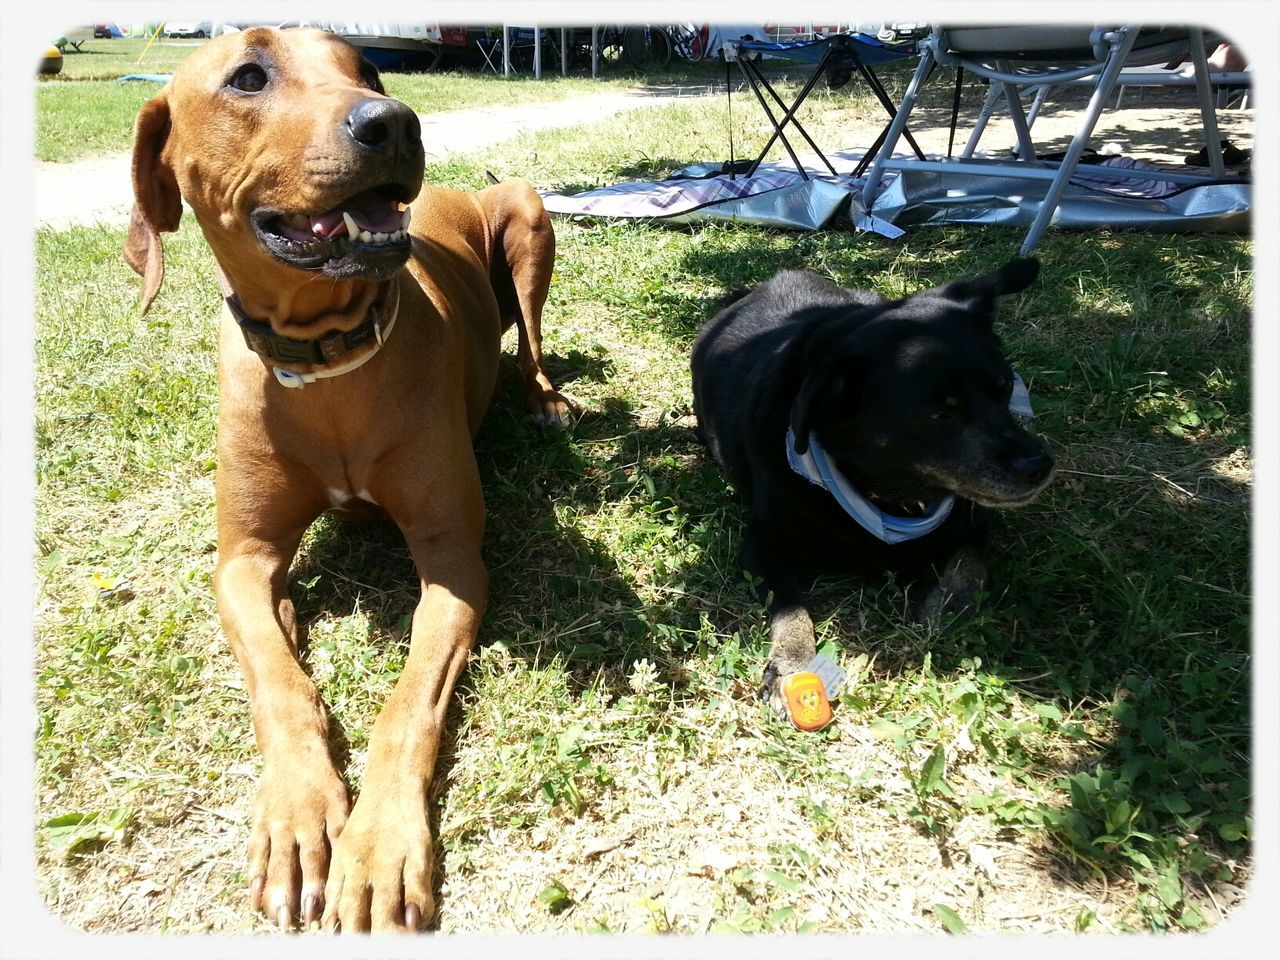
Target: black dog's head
{"points": [[913, 401]]}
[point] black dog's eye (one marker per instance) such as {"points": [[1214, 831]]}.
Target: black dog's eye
{"points": [[249, 78], [947, 408], [1004, 386]]}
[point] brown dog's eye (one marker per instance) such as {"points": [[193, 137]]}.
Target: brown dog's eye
{"points": [[369, 74], [250, 78]]}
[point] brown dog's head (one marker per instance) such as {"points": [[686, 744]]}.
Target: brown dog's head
{"points": [[290, 154]]}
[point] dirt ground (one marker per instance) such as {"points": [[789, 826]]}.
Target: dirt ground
{"points": [[1161, 125]]}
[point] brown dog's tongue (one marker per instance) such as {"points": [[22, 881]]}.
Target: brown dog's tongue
{"points": [[369, 211], [327, 224]]}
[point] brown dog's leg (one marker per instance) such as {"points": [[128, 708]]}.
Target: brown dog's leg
{"points": [[523, 260], [302, 803], [380, 877]]}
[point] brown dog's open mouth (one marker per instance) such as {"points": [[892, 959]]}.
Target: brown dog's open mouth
{"points": [[366, 235]]}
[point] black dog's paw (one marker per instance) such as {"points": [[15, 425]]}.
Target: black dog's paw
{"points": [[771, 689], [772, 683], [945, 607], [791, 649], [954, 597]]}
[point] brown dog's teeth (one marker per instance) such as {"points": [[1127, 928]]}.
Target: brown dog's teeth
{"points": [[353, 231]]}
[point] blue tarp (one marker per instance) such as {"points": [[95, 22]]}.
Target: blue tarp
{"points": [[867, 49]]}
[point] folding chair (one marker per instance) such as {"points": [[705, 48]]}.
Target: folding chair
{"points": [[502, 46], [828, 53], [1046, 56], [490, 46]]}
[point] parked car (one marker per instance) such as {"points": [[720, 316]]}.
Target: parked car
{"points": [[189, 28]]}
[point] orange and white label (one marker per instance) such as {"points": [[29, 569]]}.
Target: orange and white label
{"points": [[806, 700]]}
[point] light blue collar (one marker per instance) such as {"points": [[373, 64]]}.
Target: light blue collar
{"points": [[820, 470]]}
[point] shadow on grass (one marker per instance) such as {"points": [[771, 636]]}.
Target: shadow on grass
{"points": [[1123, 594], [1120, 597]]}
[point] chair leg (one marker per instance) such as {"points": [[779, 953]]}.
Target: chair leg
{"points": [[789, 113], [955, 110], [1204, 93], [896, 127], [1120, 47], [1041, 93], [984, 116], [1026, 148], [882, 95], [747, 71]]}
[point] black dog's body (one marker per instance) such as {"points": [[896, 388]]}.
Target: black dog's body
{"points": [[910, 398]]}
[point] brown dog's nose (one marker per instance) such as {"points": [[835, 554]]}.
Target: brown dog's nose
{"points": [[384, 124]]}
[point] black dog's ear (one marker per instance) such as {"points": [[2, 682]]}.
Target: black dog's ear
{"points": [[816, 389], [1014, 277], [823, 387]]}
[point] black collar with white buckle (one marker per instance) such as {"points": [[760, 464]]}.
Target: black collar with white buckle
{"points": [[324, 352], [332, 347]]}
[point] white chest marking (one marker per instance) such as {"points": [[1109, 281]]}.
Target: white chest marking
{"points": [[338, 497]]}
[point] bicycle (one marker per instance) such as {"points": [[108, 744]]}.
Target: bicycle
{"points": [[646, 47], [688, 40], [641, 46]]}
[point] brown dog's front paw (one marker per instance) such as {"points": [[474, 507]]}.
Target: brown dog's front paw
{"points": [[550, 406], [380, 877], [298, 815]]}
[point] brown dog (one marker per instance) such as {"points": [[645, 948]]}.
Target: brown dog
{"points": [[296, 165]]}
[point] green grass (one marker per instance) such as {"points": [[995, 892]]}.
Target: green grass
{"points": [[607, 766]]}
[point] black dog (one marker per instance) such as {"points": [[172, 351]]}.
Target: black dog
{"points": [[802, 381]]}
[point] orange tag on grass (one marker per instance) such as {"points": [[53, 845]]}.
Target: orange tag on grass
{"points": [[806, 700]]}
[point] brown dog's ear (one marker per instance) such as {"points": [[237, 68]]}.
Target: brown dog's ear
{"points": [[157, 202]]}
